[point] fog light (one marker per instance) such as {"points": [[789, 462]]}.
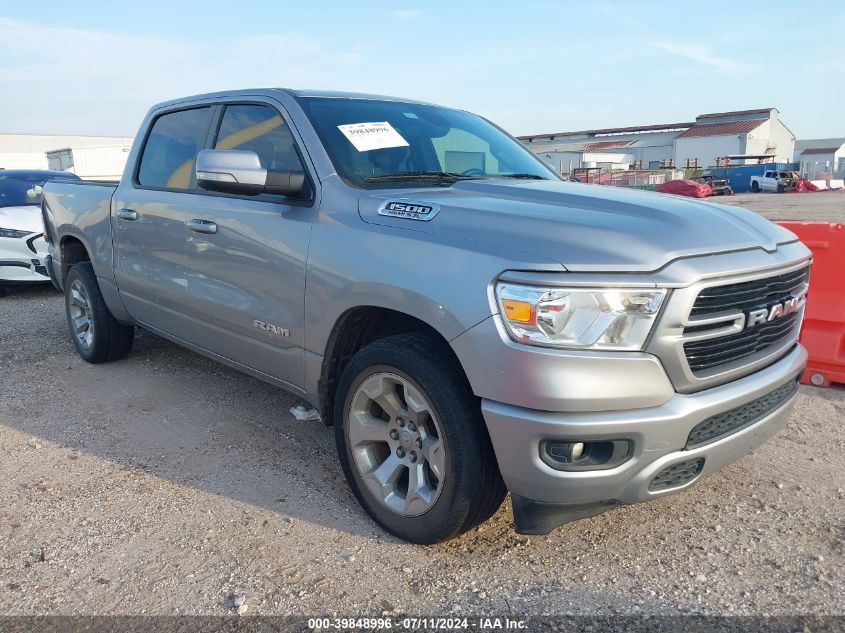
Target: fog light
{"points": [[585, 455], [565, 452]]}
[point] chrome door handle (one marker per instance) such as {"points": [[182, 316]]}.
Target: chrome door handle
{"points": [[202, 226], [127, 214]]}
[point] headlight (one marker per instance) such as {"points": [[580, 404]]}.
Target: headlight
{"points": [[579, 318], [14, 233]]}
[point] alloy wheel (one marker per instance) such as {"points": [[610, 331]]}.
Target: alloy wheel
{"points": [[80, 314], [396, 443]]}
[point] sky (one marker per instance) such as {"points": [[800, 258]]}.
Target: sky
{"points": [[532, 67]]}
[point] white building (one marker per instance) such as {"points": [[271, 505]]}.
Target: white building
{"points": [[94, 157], [743, 135], [820, 158], [649, 146]]}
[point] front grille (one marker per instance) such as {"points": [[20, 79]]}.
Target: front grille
{"points": [[749, 295], [677, 475], [713, 352], [722, 424], [743, 297]]}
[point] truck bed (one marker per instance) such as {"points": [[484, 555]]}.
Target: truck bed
{"points": [[81, 210]]}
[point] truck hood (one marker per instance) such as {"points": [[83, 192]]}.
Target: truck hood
{"points": [[23, 218], [586, 228]]}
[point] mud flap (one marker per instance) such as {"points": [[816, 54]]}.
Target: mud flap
{"points": [[48, 264], [536, 517]]}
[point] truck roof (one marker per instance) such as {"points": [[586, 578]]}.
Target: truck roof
{"points": [[337, 94], [296, 94]]}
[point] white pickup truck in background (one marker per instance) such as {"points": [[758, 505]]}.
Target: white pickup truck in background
{"points": [[774, 180]]}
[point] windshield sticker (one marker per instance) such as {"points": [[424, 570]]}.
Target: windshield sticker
{"points": [[370, 136], [409, 210]]}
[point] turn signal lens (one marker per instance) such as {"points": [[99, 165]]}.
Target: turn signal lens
{"points": [[518, 311]]}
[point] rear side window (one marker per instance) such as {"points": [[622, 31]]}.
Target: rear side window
{"points": [[262, 130], [172, 147]]}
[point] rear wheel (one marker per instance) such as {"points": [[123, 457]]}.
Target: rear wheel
{"points": [[781, 188], [96, 334], [755, 187], [412, 442]]}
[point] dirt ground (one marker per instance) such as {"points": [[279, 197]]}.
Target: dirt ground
{"points": [[821, 206], [168, 484]]}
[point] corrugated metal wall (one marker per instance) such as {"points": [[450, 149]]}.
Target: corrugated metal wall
{"points": [[458, 151], [29, 151], [100, 163]]}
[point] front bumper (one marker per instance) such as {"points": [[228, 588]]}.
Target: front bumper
{"points": [[658, 437], [22, 260]]}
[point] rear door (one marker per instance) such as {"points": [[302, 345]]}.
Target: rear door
{"points": [[149, 215], [246, 255]]}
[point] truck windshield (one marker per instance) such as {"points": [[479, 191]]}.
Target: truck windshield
{"points": [[19, 189], [391, 144]]}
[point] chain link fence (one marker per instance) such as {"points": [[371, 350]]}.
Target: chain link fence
{"points": [[645, 179]]}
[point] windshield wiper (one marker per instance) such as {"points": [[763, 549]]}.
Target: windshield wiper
{"points": [[522, 176], [436, 176]]}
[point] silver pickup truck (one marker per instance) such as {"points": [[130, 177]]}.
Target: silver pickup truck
{"points": [[469, 323]]}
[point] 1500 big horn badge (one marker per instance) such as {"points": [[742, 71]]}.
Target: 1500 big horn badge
{"points": [[410, 210]]}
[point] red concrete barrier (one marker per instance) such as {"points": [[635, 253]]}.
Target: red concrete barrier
{"points": [[823, 332]]}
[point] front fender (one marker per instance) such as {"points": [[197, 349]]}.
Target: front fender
{"points": [[443, 282]]}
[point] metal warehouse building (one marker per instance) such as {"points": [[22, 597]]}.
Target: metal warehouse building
{"points": [[93, 157], [821, 158], [738, 134], [649, 145]]}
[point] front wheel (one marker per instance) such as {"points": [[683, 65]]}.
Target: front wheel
{"points": [[96, 334], [412, 442]]}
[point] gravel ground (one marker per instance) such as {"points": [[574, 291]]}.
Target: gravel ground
{"points": [[169, 484], [821, 206]]}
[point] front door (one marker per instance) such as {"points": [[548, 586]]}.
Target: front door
{"points": [[246, 255]]}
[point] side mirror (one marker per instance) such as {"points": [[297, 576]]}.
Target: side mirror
{"points": [[240, 172]]}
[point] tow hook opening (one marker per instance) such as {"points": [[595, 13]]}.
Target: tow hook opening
{"points": [[575, 455]]}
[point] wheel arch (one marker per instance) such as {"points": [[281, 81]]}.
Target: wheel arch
{"points": [[73, 250], [356, 328]]}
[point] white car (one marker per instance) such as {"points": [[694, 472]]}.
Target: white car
{"points": [[22, 245]]}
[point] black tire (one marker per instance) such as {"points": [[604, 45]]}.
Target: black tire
{"points": [[472, 489], [781, 188], [109, 339], [755, 187]]}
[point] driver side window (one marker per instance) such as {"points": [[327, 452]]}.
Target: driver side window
{"points": [[261, 129]]}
